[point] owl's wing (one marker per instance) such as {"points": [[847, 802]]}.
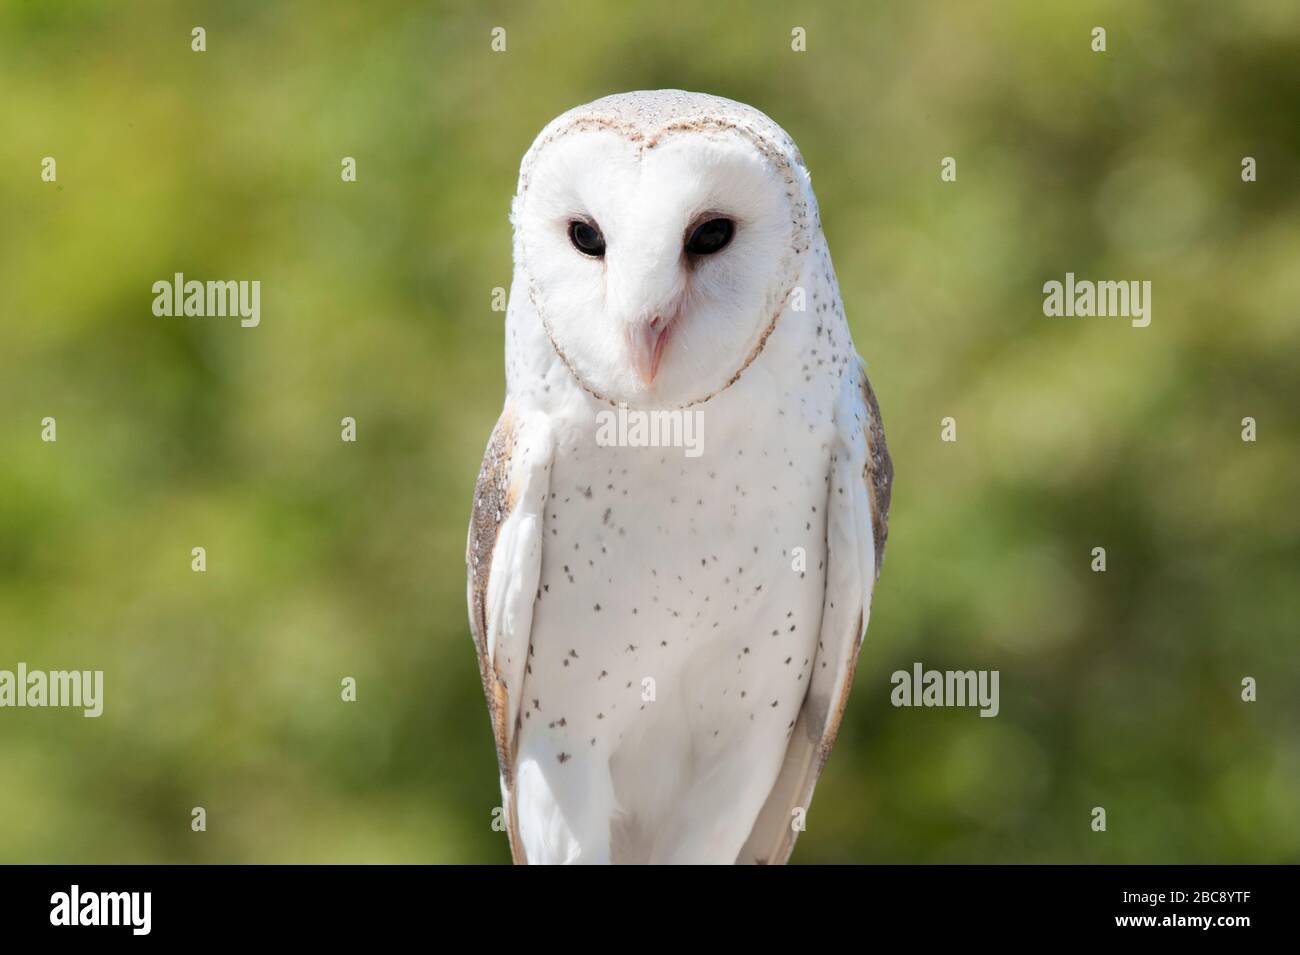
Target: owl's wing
{"points": [[856, 526], [504, 559]]}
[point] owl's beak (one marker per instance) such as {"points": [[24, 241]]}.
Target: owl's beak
{"points": [[646, 340]]}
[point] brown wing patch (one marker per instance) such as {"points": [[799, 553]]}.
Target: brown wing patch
{"points": [[493, 500], [879, 471]]}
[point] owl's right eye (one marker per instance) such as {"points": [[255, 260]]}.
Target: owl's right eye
{"points": [[586, 238]]}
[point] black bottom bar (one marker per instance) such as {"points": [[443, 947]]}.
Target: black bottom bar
{"points": [[440, 904]]}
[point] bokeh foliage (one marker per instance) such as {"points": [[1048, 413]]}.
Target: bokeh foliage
{"points": [[326, 559]]}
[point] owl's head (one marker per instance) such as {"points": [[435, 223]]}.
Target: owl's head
{"points": [[659, 235]]}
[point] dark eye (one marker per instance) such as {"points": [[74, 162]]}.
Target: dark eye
{"points": [[710, 237], [586, 238]]}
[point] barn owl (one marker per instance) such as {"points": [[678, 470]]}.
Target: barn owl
{"points": [[666, 639]]}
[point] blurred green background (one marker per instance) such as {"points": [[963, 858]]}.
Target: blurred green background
{"points": [[328, 559]]}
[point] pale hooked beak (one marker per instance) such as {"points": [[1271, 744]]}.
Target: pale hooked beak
{"points": [[646, 341]]}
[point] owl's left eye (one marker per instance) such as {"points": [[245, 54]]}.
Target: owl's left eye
{"points": [[710, 237], [586, 238]]}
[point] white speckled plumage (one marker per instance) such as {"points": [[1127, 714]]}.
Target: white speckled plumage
{"points": [[594, 569]]}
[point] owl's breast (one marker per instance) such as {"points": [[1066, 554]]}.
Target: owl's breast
{"points": [[680, 595]]}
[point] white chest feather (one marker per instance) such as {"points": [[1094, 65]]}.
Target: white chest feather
{"points": [[677, 616]]}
